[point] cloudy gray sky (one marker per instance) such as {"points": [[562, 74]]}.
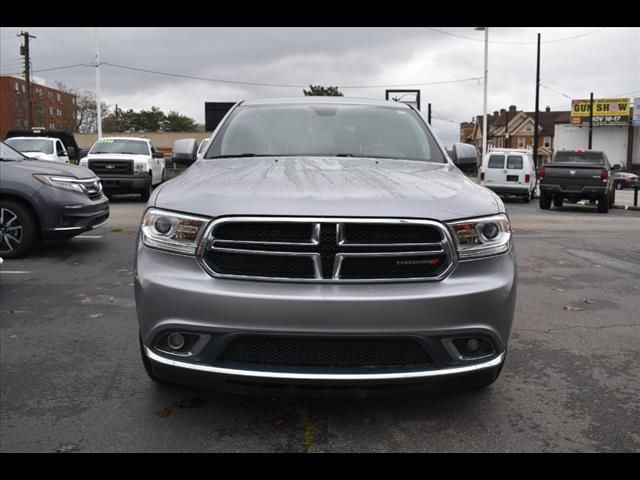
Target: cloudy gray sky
{"points": [[603, 60]]}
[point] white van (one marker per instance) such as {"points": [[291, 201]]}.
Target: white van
{"points": [[509, 171]]}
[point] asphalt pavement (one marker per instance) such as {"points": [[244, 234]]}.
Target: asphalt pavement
{"points": [[71, 379]]}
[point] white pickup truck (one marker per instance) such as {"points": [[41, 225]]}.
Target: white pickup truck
{"points": [[126, 165], [40, 148]]}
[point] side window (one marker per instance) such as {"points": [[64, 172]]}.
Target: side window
{"points": [[60, 149], [496, 161], [514, 162]]}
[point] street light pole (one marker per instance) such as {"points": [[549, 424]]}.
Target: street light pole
{"points": [[486, 78], [98, 106]]}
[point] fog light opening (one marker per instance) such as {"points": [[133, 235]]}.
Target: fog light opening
{"points": [[470, 348], [175, 341], [473, 344]]}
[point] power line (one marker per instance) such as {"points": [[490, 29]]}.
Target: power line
{"points": [[261, 84], [515, 43], [556, 91]]}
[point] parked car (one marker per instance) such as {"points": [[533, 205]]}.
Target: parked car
{"points": [[70, 146], [43, 199], [41, 148], [126, 165], [625, 180], [321, 243], [576, 175], [509, 172]]}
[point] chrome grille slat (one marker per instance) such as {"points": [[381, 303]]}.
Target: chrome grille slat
{"points": [[433, 260]]}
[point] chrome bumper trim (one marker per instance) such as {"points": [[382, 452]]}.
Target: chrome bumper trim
{"points": [[326, 376]]}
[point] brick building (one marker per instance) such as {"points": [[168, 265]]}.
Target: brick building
{"points": [[52, 108], [514, 129]]}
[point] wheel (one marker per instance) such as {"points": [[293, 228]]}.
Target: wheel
{"points": [[146, 193], [545, 201], [603, 204], [619, 186], [18, 229], [612, 198], [147, 364], [557, 202]]}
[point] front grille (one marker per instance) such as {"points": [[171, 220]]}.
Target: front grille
{"points": [[321, 250], [326, 352], [111, 167]]}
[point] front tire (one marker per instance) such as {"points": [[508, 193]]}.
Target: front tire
{"points": [[619, 186], [558, 201], [18, 229], [545, 201], [146, 193]]}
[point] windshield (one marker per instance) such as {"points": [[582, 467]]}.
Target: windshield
{"points": [[30, 144], [110, 145], [326, 130], [9, 154], [595, 158]]}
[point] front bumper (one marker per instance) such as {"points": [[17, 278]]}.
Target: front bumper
{"points": [[68, 214], [173, 293], [124, 183]]}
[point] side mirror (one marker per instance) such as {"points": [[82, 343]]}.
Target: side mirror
{"points": [[615, 167], [465, 156], [158, 154], [71, 152], [184, 151]]}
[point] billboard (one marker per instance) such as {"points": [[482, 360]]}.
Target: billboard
{"points": [[636, 112], [606, 111]]}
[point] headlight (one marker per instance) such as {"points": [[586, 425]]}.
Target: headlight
{"points": [[481, 237], [139, 168], [67, 183], [173, 232]]}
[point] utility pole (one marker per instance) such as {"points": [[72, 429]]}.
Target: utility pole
{"points": [[506, 130], [24, 50], [429, 114], [98, 106], [537, 120], [117, 124], [486, 79], [590, 119]]}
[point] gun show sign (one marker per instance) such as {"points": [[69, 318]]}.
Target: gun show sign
{"points": [[606, 111]]}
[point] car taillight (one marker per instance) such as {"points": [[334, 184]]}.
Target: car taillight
{"points": [[527, 177], [482, 176], [541, 173], [604, 175]]}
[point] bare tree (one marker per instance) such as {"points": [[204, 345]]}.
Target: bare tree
{"points": [[85, 115]]}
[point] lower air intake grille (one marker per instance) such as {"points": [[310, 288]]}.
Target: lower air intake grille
{"points": [[326, 352]]}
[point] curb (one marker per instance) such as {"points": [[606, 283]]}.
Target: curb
{"points": [[627, 207]]}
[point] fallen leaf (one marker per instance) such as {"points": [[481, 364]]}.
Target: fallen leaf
{"points": [[67, 448], [572, 308], [96, 315], [189, 403], [559, 289], [165, 412], [85, 300], [117, 229], [586, 300], [18, 312], [279, 422]]}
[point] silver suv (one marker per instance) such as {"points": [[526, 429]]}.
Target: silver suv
{"points": [[324, 244]]}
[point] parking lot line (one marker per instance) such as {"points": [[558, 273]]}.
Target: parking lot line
{"points": [[91, 237], [13, 271]]}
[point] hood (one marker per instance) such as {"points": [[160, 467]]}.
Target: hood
{"points": [[47, 167], [319, 186], [38, 155], [116, 156]]}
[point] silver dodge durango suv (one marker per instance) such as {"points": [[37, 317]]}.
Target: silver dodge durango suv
{"points": [[324, 244]]}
